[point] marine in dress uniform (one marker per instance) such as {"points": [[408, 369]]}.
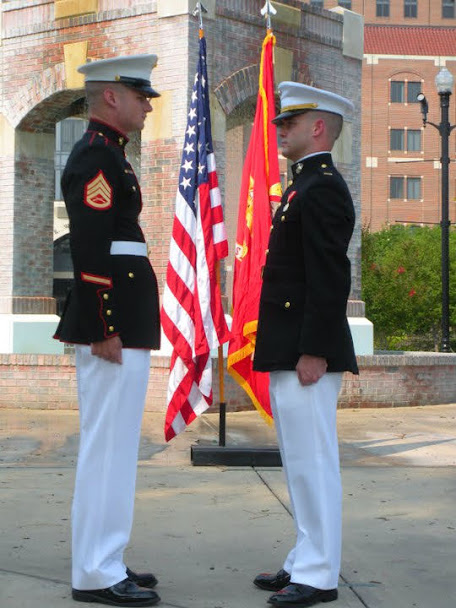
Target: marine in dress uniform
{"points": [[112, 317], [304, 339]]}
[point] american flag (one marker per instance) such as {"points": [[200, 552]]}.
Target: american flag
{"points": [[192, 314]]}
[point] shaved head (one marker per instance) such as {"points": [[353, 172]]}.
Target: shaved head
{"points": [[333, 122]]}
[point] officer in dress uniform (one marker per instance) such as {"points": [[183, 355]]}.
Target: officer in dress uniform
{"points": [[304, 339], [112, 317]]}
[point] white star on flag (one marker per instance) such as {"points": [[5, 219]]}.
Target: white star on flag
{"points": [[186, 182]]}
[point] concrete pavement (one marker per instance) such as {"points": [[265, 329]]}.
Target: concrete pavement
{"points": [[207, 531]]}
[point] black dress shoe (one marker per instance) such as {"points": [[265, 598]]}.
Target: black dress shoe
{"points": [[143, 579], [298, 595], [125, 593], [272, 582]]}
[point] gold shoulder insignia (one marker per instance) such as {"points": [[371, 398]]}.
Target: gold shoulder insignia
{"points": [[98, 193]]}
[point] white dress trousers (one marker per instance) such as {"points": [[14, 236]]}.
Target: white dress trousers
{"points": [[305, 419], [111, 404]]}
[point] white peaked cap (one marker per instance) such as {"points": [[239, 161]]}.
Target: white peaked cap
{"points": [[296, 98], [132, 70]]}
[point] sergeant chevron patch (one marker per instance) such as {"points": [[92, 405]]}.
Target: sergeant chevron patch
{"points": [[98, 193]]}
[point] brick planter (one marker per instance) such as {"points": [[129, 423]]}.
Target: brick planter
{"points": [[391, 380]]}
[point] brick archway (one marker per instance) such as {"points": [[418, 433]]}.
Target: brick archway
{"points": [[33, 194], [237, 88], [41, 86]]}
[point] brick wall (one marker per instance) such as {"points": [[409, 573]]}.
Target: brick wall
{"points": [[49, 382], [34, 96]]}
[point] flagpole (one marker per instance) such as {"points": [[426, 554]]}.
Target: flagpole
{"points": [[204, 455], [198, 12], [221, 372]]}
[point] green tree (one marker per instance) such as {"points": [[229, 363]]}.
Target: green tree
{"points": [[401, 285]]}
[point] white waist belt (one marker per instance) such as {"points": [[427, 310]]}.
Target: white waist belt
{"points": [[128, 248]]}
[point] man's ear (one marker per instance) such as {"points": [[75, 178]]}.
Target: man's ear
{"points": [[110, 97], [319, 127]]}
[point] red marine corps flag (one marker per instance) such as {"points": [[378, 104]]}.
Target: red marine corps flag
{"points": [[260, 189], [192, 314]]}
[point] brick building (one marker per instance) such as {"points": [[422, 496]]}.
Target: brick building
{"points": [[42, 106], [406, 42], [401, 169], [397, 12]]}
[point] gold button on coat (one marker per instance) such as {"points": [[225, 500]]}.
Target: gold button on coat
{"points": [[105, 296], [109, 313], [282, 219], [131, 275], [287, 304], [111, 328]]}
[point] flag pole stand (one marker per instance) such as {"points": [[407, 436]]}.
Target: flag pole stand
{"points": [[221, 454]]}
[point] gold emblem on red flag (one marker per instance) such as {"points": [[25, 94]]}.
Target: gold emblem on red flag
{"points": [[98, 193]]}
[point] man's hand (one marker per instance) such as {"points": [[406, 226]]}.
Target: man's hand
{"points": [[109, 350], [310, 369]]}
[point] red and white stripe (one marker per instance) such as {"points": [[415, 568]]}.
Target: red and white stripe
{"points": [[192, 314]]}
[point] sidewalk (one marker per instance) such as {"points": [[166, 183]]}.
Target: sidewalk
{"points": [[207, 531]]}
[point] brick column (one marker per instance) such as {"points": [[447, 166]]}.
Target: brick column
{"points": [[27, 308]]}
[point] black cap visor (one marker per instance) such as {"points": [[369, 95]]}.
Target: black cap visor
{"points": [[278, 119], [143, 86]]}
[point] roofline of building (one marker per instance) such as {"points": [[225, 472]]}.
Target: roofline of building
{"points": [[397, 26]]}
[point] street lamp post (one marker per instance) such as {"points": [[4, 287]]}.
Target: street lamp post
{"points": [[444, 83]]}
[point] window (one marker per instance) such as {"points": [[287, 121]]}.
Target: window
{"points": [[414, 140], [67, 133], [397, 139], [413, 90], [410, 8], [397, 91], [396, 187], [414, 187], [448, 9], [318, 3], [402, 91], [345, 4], [383, 8]]}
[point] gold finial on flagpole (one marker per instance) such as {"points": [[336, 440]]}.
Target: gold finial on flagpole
{"points": [[199, 10], [267, 11]]}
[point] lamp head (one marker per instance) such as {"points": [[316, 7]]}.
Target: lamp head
{"points": [[444, 81], [424, 107]]}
